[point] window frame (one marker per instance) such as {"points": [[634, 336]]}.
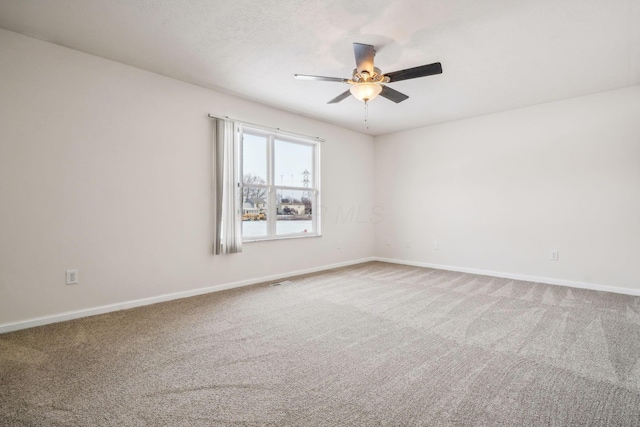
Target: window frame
{"points": [[272, 189]]}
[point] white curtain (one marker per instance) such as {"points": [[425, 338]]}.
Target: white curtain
{"points": [[228, 208]]}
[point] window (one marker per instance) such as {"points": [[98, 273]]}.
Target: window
{"points": [[280, 185]]}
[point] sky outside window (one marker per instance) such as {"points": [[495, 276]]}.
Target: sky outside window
{"points": [[291, 160], [254, 157]]}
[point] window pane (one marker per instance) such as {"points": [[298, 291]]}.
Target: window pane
{"points": [[293, 164], [294, 210], [254, 159], [254, 212]]}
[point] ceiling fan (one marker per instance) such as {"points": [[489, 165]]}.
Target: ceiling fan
{"points": [[366, 81]]}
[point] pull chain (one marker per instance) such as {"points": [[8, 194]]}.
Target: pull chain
{"points": [[366, 113]]}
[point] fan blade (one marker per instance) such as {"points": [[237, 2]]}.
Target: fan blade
{"points": [[392, 94], [343, 95], [320, 78], [415, 72], [364, 57]]}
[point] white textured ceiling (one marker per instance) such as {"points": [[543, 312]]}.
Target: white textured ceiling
{"points": [[496, 54]]}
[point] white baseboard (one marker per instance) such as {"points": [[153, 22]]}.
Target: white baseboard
{"points": [[76, 314], [522, 277]]}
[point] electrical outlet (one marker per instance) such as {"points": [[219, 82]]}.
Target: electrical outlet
{"points": [[436, 245], [553, 255], [339, 245], [72, 277]]}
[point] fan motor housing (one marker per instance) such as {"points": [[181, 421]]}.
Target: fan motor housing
{"points": [[364, 76]]}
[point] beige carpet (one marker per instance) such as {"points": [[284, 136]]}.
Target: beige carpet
{"points": [[370, 345]]}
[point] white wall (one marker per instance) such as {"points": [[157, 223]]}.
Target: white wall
{"points": [[499, 192], [107, 168]]}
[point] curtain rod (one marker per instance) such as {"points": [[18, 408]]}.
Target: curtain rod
{"points": [[268, 128]]}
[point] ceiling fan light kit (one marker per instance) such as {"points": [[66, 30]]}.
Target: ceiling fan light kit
{"points": [[365, 91], [367, 80]]}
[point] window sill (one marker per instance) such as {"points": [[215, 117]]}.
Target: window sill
{"points": [[269, 239]]}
